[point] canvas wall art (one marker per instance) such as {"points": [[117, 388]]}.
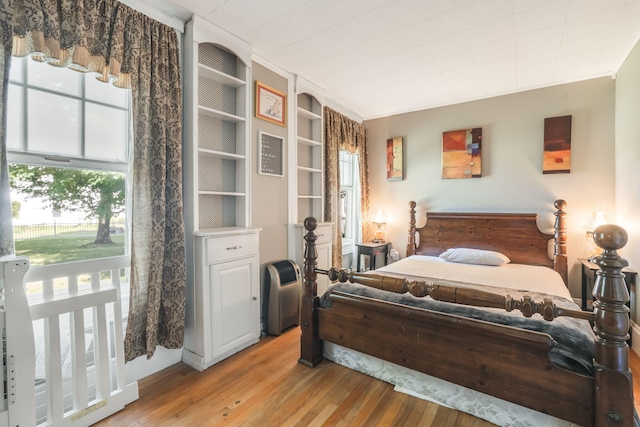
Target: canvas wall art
{"points": [[462, 153], [557, 145], [395, 163]]}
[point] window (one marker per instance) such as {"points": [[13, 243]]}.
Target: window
{"points": [[67, 144], [349, 198]]}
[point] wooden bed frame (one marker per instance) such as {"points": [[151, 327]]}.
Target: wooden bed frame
{"points": [[501, 361]]}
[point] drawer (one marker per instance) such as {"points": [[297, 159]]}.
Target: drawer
{"points": [[324, 234], [224, 248]]}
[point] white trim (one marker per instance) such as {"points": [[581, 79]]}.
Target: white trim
{"points": [[271, 66], [207, 32], [54, 160], [331, 103]]}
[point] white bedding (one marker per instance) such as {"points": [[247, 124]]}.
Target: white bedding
{"points": [[511, 276], [433, 269]]}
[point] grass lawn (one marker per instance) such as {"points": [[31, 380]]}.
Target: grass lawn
{"points": [[50, 250]]}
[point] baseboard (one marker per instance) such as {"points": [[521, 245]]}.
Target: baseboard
{"points": [[198, 362], [193, 360], [142, 367]]}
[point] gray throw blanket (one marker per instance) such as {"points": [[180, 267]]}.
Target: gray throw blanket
{"points": [[575, 337]]}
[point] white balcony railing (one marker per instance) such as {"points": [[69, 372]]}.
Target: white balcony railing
{"points": [[76, 312]]}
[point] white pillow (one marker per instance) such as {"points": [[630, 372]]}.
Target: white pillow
{"points": [[474, 256]]}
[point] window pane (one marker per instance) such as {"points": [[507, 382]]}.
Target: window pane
{"points": [[14, 118], [105, 92], [105, 133], [346, 172], [61, 80], [53, 124], [346, 199], [17, 64], [59, 223]]}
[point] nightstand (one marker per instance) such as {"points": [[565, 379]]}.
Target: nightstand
{"points": [[372, 250], [589, 278]]}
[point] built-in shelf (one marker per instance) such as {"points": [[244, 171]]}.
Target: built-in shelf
{"points": [[303, 112], [222, 298], [220, 154], [218, 76], [309, 158], [206, 111], [220, 193], [308, 141], [306, 169]]}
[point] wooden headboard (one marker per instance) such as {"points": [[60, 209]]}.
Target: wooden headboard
{"points": [[514, 234]]}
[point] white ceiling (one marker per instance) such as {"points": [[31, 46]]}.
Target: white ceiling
{"points": [[382, 57]]}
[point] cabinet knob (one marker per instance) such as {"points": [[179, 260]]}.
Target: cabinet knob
{"points": [[255, 298]]}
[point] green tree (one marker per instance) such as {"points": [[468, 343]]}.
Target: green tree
{"points": [[97, 194]]}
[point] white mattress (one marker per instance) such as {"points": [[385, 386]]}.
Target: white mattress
{"points": [[433, 269], [511, 276]]}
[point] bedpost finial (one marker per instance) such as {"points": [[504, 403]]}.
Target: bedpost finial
{"points": [[310, 223], [560, 204], [412, 204], [610, 237]]}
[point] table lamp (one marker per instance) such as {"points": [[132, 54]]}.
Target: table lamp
{"points": [[380, 224]]}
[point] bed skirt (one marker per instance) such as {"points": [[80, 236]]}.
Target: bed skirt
{"points": [[489, 408]]}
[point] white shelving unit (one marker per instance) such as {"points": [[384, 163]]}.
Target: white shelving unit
{"points": [[220, 134], [222, 250], [307, 180], [309, 162]]}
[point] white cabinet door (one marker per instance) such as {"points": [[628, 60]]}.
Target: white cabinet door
{"points": [[235, 305]]}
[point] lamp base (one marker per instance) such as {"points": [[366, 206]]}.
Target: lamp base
{"points": [[377, 241]]}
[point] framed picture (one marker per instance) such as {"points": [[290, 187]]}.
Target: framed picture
{"points": [[462, 153], [271, 104], [270, 154], [395, 163]]}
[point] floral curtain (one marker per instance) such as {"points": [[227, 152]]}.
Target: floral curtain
{"points": [[129, 49], [342, 133]]}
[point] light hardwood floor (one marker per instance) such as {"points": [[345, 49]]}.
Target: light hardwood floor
{"points": [[265, 386]]}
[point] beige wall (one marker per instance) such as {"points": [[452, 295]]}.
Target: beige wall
{"points": [[627, 155], [269, 206], [512, 178]]}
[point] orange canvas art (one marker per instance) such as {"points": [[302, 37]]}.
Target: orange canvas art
{"points": [[461, 153]]}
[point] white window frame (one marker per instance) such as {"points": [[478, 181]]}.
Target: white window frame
{"points": [[24, 156]]}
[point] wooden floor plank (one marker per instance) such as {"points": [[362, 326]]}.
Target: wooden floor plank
{"points": [[265, 386]]}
